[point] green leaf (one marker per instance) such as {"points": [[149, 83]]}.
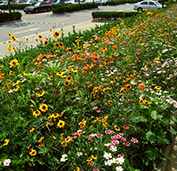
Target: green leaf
{"points": [[172, 130], [174, 119], [43, 150], [154, 114], [139, 119], [150, 136], [35, 137], [2, 136]]}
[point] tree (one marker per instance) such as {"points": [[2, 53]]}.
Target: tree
{"points": [[9, 6]]}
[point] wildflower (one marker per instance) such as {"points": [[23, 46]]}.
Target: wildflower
{"points": [[11, 73], [32, 129], [94, 157], [119, 168], [41, 94], [110, 102], [7, 162], [1, 76], [105, 118], [40, 139], [134, 140], [43, 107], [141, 101], [32, 152], [14, 63], [41, 145], [27, 39], [64, 158], [157, 87], [126, 127], [9, 34], [40, 36], [141, 86], [116, 128], [105, 124], [16, 88], [50, 30], [63, 144], [66, 83], [13, 37], [6, 142], [69, 78], [128, 86], [46, 42], [68, 139], [107, 155], [61, 124], [57, 91], [82, 124], [77, 169], [56, 34], [146, 102], [79, 154], [37, 40]]}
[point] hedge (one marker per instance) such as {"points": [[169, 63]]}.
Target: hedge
{"points": [[116, 2], [7, 17], [72, 7], [15, 6], [114, 15]]}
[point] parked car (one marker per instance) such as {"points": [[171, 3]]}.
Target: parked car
{"points": [[74, 1], [3, 2], [50, 1], [38, 7], [30, 2], [148, 5], [58, 2], [18, 2], [91, 1], [103, 2]]}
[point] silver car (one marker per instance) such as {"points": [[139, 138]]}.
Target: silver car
{"points": [[148, 5]]}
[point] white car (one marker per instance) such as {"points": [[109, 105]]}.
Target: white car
{"points": [[30, 2], [73, 1], [3, 2], [148, 5]]}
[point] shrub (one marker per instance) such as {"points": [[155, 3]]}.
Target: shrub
{"points": [[7, 17]]}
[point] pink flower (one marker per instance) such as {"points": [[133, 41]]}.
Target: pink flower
{"points": [[57, 92], [95, 108], [107, 131], [77, 98], [7, 162], [96, 170], [112, 132], [121, 134], [121, 155], [127, 143], [90, 138], [79, 132], [115, 142], [172, 88], [98, 111], [75, 135], [126, 127], [123, 139], [134, 140], [164, 82]]}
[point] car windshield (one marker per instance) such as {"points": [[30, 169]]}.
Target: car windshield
{"points": [[157, 3], [37, 4]]}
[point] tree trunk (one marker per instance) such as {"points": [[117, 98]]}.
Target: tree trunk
{"points": [[9, 7]]}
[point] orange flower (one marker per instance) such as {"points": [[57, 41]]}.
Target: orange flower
{"points": [[114, 46], [86, 67], [61, 60], [39, 57], [48, 56], [94, 61], [96, 37], [141, 86], [94, 55], [107, 42]]}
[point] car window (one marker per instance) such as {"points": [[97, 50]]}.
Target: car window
{"points": [[144, 3], [37, 4], [151, 3]]}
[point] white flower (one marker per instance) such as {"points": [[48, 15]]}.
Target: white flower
{"points": [[63, 158], [113, 148], [120, 160], [107, 145], [107, 155], [119, 168], [108, 162], [79, 154], [7, 162]]}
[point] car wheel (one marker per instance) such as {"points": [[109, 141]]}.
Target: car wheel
{"points": [[36, 11], [49, 9], [27, 12], [139, 9]]}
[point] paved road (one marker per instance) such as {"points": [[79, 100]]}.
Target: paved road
{"points": [[32, 24]]}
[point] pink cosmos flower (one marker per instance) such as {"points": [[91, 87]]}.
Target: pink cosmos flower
{"points": [[107, 131], [115, 142], [127, 143]]}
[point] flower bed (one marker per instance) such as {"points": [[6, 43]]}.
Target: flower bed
{"points": [[102, 103]]}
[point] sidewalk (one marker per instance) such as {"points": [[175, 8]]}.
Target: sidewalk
{"points": [[87, 25]]}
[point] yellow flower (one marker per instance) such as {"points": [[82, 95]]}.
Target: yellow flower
{"points": [[116, 128], [105, 124], [46, 42], [16, 88], [32, 129], [157, 87], [9, 34], [56, 34], [1, 67], [36, 113], [40, 36], [40, 139], [61, 124], [141, 101], [11, 73], [41, 94], [13, 37], [110, 102], [27, 39], [6, 142], [77, 169], [14, 63], [105, 118], [32, 152], [94, 157], [63, 144], [43, 107], [16, 82], [146, 102]]}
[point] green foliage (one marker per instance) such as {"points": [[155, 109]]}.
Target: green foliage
{"points": [[7, 17], [113, 15], [72, 7]]}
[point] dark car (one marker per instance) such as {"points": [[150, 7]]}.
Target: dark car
{"points": [[38, 7]]}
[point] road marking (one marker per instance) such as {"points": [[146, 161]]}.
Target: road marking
{"points": [[63, 19], [23, 27], [27, 30]]}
